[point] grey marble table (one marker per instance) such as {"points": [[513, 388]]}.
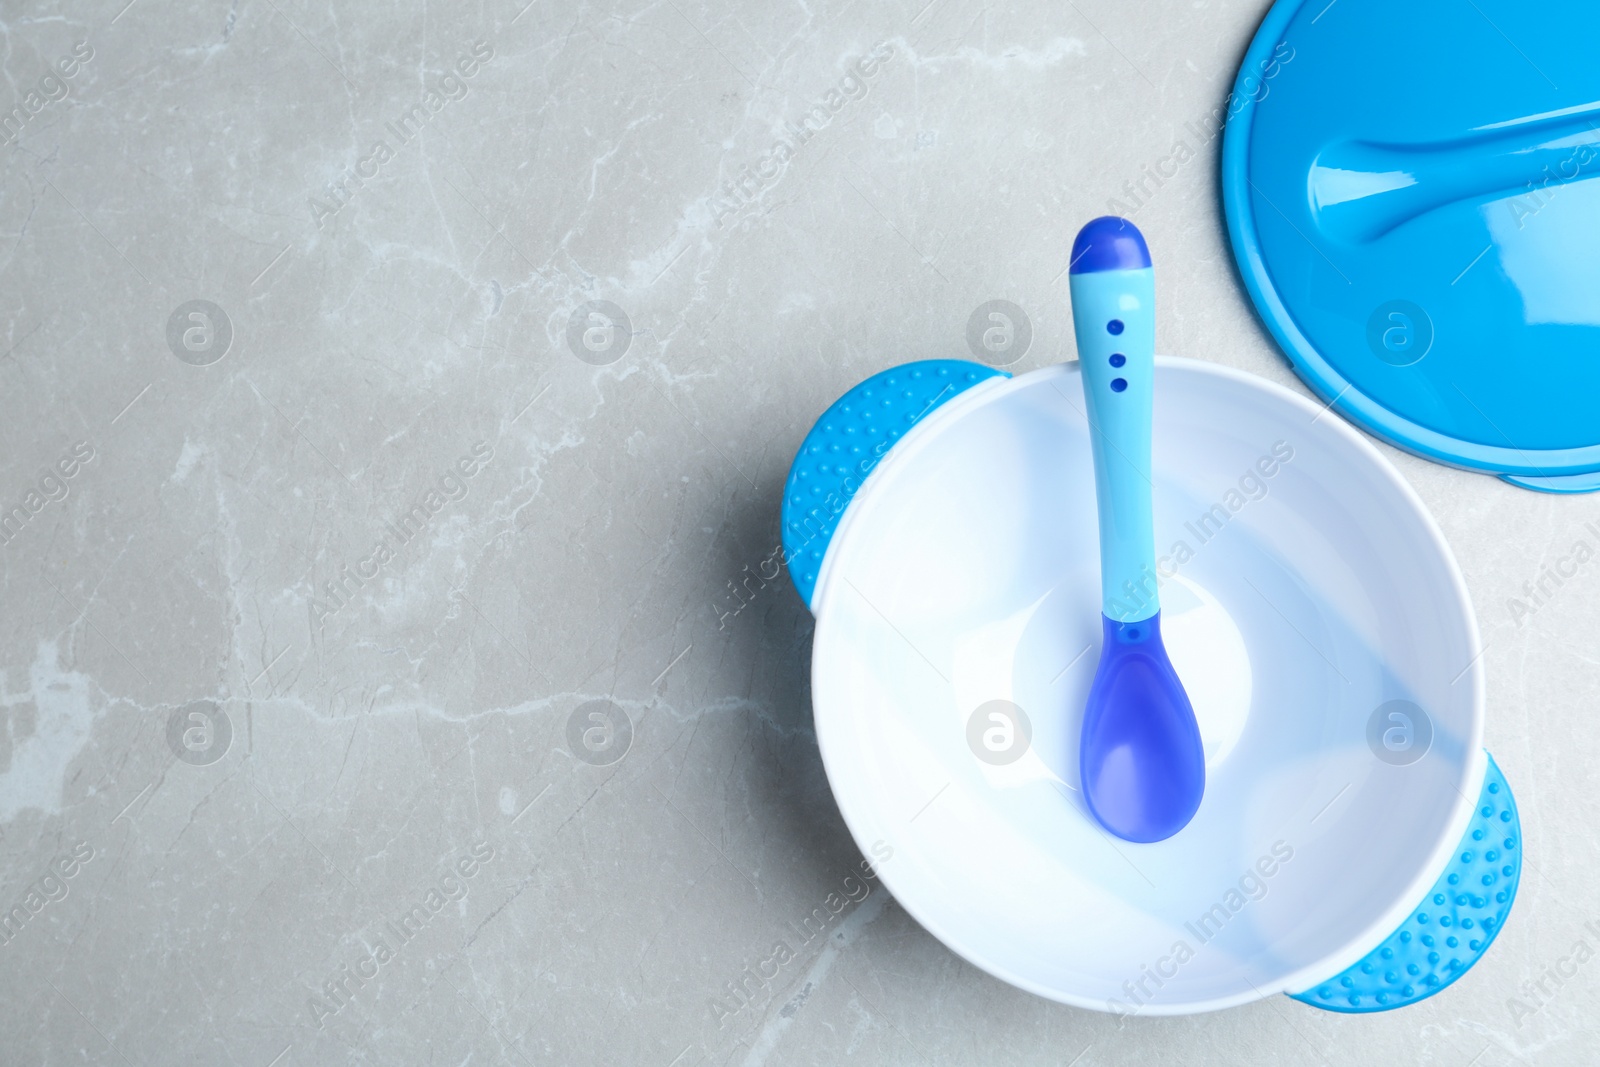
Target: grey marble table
{"points": [[392, 396]]}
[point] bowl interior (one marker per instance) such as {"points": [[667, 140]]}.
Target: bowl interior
{"points": [[1306, 598]]}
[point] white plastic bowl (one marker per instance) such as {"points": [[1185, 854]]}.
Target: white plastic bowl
{"points": [[965, 570]]}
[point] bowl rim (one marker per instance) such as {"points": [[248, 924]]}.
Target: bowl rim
{"points": [[1474, 764]]}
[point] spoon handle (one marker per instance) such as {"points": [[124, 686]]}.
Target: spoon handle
{"points": [[1113, 311]]}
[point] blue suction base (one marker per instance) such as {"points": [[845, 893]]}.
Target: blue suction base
{"points": [[1452, 927], [848, 441]]}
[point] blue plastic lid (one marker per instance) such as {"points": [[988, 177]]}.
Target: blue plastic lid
{"points": [[1407, 190]]}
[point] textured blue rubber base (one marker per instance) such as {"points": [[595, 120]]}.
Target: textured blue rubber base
{"points": [[847, 443], [1452, 927]]}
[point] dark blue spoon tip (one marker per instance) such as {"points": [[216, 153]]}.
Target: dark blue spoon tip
{"points": [[1109, 243], [1142, 762]]}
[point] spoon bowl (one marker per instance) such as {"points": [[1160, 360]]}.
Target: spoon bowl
{"points": [[1142, 763]]}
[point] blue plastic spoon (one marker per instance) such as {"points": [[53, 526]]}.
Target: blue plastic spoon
{"points": [[1141, 760]]}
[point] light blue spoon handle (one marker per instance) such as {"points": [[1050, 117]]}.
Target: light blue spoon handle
{"points": [[1113, 310]]}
